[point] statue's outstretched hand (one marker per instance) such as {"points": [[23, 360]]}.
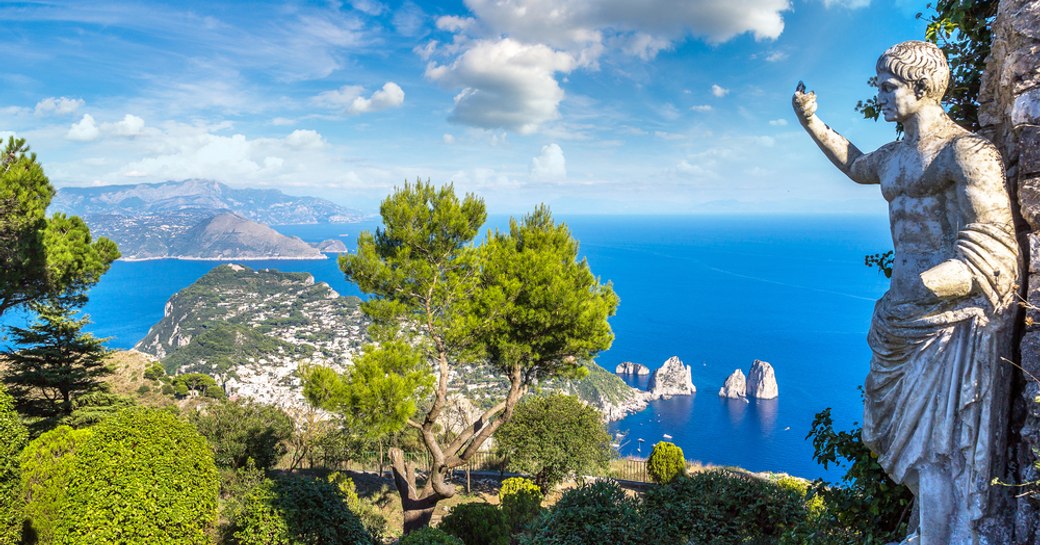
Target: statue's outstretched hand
{"points": [[804, 103]]}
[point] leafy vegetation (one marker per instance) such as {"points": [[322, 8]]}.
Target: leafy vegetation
{"points": [[477, 524], [594, 513], [240, 431], [220, 346], [430, 536], [666, 462], [553, 436], [13, 437], [47, 468], [521, 501]]}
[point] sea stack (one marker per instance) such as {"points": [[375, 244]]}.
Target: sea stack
{"points": [[735, 386], [631, 368], [761, 381], [672, 379]]}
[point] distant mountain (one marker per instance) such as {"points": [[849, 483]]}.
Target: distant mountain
{"points": [[199, 219], [268, 206]]}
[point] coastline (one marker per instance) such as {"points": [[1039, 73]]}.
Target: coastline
{"points": [[251, 258]]}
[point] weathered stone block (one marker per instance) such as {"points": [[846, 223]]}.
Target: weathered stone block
{"points": [[1029, 202], [1026, 110], [1029, 158]]}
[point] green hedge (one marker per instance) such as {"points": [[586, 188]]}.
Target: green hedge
{"points": [[13, 437]]}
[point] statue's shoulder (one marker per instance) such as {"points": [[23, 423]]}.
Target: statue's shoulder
{"points": [[970, 147]]}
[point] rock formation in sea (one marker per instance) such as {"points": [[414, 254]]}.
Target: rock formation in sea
{"points": [[631, 368], [735, 386], [761, 381], [332, 246], [672, 379]]}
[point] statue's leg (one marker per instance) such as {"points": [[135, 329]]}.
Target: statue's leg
{"points": [[935, 497]]}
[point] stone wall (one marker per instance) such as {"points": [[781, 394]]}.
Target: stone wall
{"points": [[1010, 117]]}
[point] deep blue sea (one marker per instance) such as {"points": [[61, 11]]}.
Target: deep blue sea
{"points": [[716, 291]]}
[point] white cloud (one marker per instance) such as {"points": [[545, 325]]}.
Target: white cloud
{"points": [[701, 108], [130, 125], [59, 106], [448, 138], [505, 84], [718, 90], [778, 122], [282, 121], [368, 7], [451, 23], [550, 165], [409, 20], [670, 136], [84, 130], [350, 99], [776, 56], [305, 138], [847, 4]]}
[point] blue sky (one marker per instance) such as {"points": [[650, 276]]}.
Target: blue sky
{"points": [[592, 106]]}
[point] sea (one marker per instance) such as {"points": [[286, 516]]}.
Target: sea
{"points": [[717, 291]]}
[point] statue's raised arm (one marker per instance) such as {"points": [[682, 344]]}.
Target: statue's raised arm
{"points": [[846, 156]]}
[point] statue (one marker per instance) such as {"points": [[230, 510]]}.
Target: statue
{"points": [[935, 393]]}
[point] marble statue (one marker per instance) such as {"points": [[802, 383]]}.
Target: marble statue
{"points": [[933, 403]]}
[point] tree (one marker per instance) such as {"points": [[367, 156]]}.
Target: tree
{"points": [[666, 462], [41, 257], [56, 362], [522, 302], [239, 431], [13, 437], [553, 436]]}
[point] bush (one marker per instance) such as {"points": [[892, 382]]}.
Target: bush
{"points": [[141, 477], [593, 514], [521, 501], [13, 437], [243, 430], [477, 524], [430, 536], [553, 436], [46, 465], [720, 507], [371, 518], [666, 462], [89, 409], [291, 510], [155, 371]]}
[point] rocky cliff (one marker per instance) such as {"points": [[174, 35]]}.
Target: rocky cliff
{"points": [[761, 381], [631, 368], [671, 379], [735, 386], [230, 236]]}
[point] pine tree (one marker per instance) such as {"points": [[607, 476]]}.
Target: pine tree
{"points": [[56, 362]]}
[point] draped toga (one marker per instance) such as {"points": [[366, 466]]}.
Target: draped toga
{"points": [[934, 366]]}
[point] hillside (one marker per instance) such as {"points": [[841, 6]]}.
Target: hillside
{"points": [[251, 329]]}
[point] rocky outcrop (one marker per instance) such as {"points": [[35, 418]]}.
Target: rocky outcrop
{"points": [[230, 236], [761, 381], [631, 368], [672, 379], [332, 246], [735, 386]]}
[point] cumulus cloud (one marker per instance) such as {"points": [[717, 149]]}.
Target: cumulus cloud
{"points": [[130, 125], [505, 84], [350, 98], [718, 90], [59, 105], [305, 138], [84, 130], [550, 165], [778, 122]]}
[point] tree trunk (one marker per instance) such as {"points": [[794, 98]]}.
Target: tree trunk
{"points": [[418, 506], [1010, 116]]}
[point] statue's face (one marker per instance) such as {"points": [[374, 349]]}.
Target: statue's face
{"points": [[897, 98]]}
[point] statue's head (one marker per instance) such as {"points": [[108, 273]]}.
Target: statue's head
{"points": [[921, 65]]}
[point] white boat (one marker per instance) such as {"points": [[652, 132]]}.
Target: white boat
{"points": [[668, 437]]}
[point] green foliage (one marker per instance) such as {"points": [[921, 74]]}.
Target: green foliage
{"points": [[666, 462], [520, 500], [866, 507], [141, 477], [239, 431], [719, 507], [47, 464], [89, 409], [155, 371], [477, 524], [590, 515], [553, 436], [430, 536], [197, 383], [222, 345], [883, 261], [371, 518], [41, 258], [13, 437], [292, 510]]}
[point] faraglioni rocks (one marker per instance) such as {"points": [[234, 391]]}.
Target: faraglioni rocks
{"points": [[735, 386], [672, 379], [631, 368], [761, 381]]}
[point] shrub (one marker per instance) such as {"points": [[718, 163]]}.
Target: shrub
{"points": [[553, 436], [593, 514], [13, 437], [521, 501], [720, 507], [243, 430], [155, 371], [46, 465], [666, 462], [141, 477], [371, 518], [477, 524], [430, 536], [291, 510], [89, 409]]}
